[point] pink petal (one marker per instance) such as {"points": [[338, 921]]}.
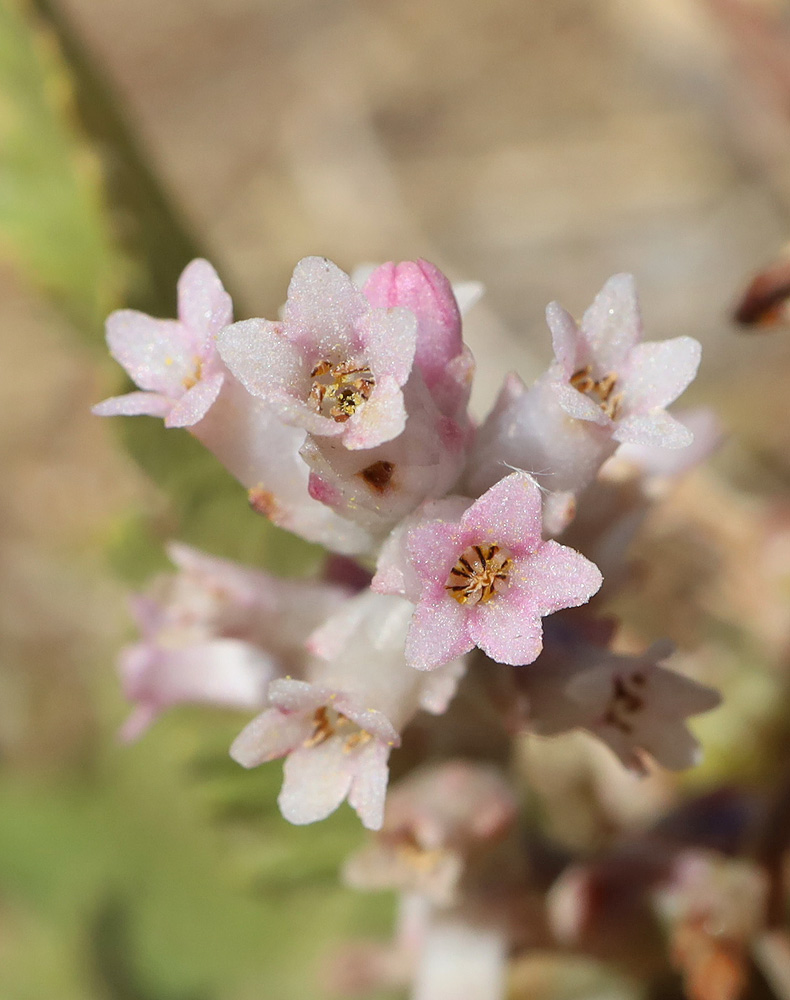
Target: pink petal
{"points": [[380, 419], [203, 304], [157, 353], [506, 632], [564, 337], [612, 325], [316, 780], [196, 402], [369, 786], [579, 406], [657, 429], [437, 633], [508, 514], [269, 736], [390, 343], [262, 358], [134, 404], [434, 549], [658, 372], [554, 577], [323, 308]]}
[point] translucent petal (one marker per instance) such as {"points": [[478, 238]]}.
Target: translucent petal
{"points": [[157, 353], [203, 304], [196, 402], [315, 781], [658, 372], [134, 404]]}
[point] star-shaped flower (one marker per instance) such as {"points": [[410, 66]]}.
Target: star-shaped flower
{"points": [[604, 375], [487, 579], [335, 365], [174, 362]]}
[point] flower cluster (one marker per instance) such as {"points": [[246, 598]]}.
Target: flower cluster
{"points": [[346, 419]]}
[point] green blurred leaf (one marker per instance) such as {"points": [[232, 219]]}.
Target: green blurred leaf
{"points": [[53, 222]]}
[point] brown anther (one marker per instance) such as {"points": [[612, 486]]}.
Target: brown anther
{"points": [[480, 574], [322, 730], [339, 390], [357, 739], [599, 390], [419, 858], [189, 381], [378, 475], [327, 722], [626, 702]]}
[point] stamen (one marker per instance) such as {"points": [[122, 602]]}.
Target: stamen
{"points": [[625, 703], [189, 381], [601, 391], [339, 390], [327, 722], [480, 574]]}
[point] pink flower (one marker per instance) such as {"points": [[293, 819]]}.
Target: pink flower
{"points": [[334, 365], [174, 362], [605, 376], [487, 579]]}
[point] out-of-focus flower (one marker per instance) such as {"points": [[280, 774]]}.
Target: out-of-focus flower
{"points": [[217, 633], [174, 362], [436, 819], [714, 907], [605, 376], [632, 703], [334, 365]]}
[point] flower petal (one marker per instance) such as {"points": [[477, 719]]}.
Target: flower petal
{"points": [[203, 304], [323, 308], [506, 632], [564, 337], [658, 372], [270, 735], [438, 633], [196, 402], [612, 325], [509, 514], [554, 577], [656, 429], [579, 406], [134, 404], [369, 785], [157, 353], [380, 419], [315, 781], [261, 357], [391, 340]]}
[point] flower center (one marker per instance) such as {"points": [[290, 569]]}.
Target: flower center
{"points": [[339, 390], [190, 381], [627, 701], [602, 390], [327, 722], [480, 574]]}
